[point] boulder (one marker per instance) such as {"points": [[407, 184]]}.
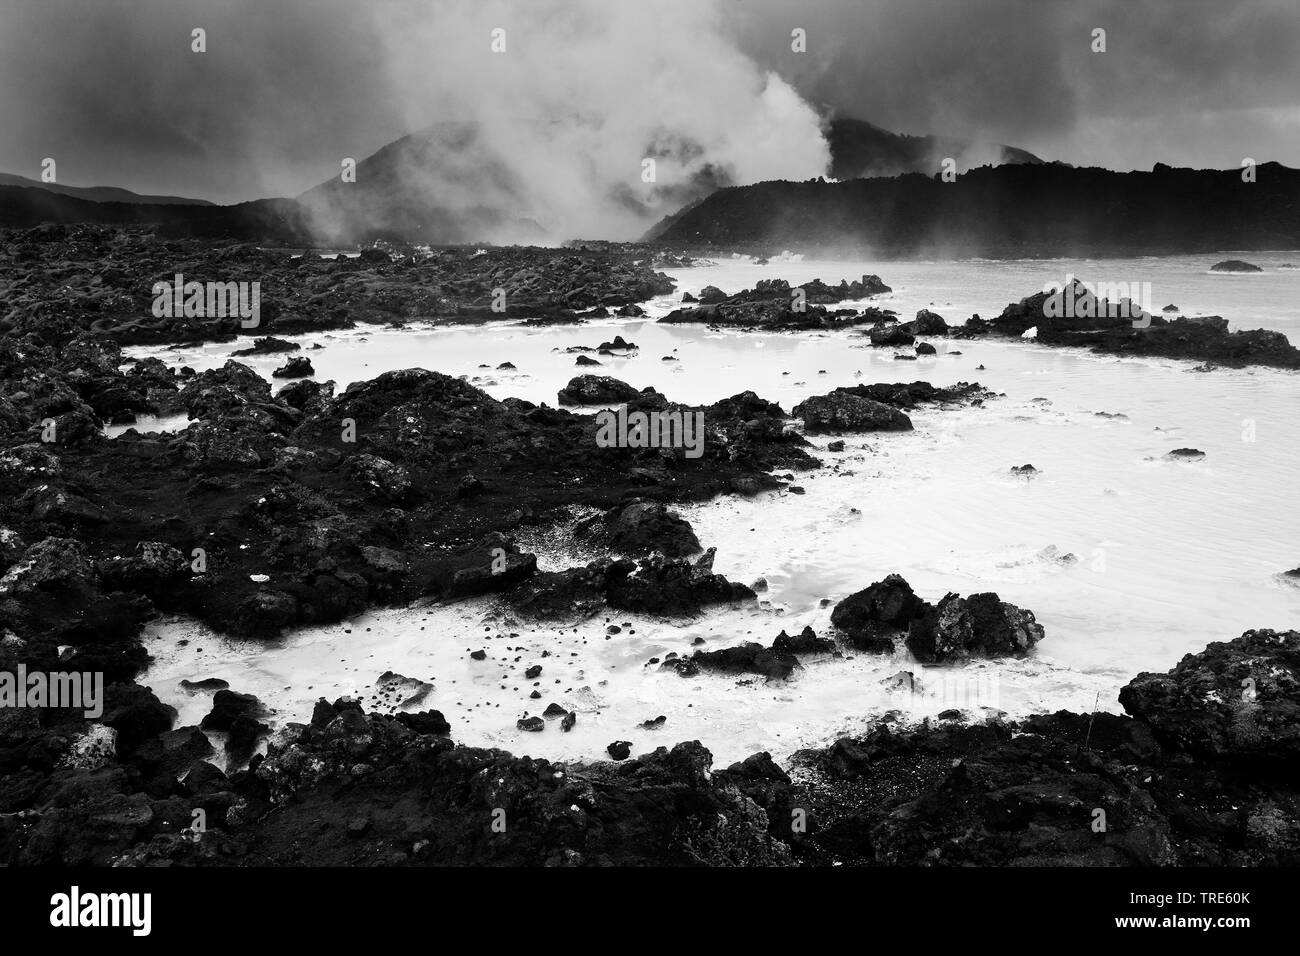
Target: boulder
{"points": [[842, 412], [297, 367], [805, 642], [980, 625], [596, 390], [620, 749], [926, 323], [1235, 265], [890, 333], [869, 618]]}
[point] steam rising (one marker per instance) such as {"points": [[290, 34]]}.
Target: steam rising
{"points": [[558, 124], [548, 139]]}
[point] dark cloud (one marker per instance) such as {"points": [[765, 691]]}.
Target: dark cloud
{"points": [[1190, 82], [113, 92]]}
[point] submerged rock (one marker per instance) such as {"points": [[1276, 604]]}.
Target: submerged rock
{"points": [[297, 367], [620, 749], [1235, 265], [268, 345], [748, 658]]}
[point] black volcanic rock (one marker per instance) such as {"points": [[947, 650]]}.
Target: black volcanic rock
{"points": [[674, 587], [493, 563], [909, 395], [843, 412], [654, 585], [748, 658], [805, 642], [297, 367], [1238, 699], [775, 305], [596, 390], [228, 706], [1204, 338], [268, 345], [980, 625], [619, 344], [891, 333], [1235, 265], [927, 323], [639, 528], [869, 618]]}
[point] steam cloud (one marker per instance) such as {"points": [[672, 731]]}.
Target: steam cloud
{"points": [[550, 135]]}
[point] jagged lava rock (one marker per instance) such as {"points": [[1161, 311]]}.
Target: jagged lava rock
{"points": [[596, 390], [1235, 699], [869, 617], [842, 412], [981, 625], [639, 528]]}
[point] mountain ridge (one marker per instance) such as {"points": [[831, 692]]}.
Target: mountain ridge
{"points": [[1048, 209]]}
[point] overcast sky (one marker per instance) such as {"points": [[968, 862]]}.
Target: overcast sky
{"points": [[112, 91]]}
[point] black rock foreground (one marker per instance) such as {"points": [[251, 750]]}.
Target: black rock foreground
{"points": [[1172, 784], [1234, 700]]}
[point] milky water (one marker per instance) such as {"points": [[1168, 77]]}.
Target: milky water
{"points": [[1129, 560]]}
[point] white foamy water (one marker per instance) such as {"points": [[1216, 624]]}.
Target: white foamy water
{"points": [[1167, 555]]}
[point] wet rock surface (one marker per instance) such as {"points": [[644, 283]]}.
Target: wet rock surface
{"points": [[1170, 785]]}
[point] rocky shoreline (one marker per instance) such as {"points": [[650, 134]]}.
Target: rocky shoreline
{"points": [[275, 510]]}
